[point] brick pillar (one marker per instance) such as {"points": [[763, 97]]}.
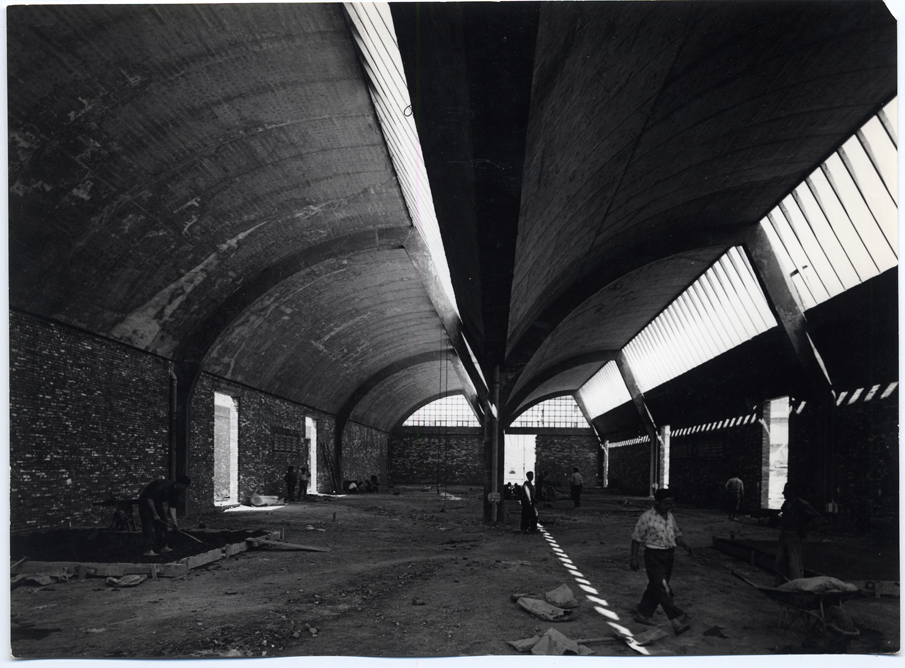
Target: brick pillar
{"points": [[663, 468]]}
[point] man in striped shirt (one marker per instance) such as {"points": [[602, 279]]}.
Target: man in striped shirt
{"points": [[658, 532]]}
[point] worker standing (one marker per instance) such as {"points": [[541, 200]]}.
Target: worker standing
{"points": [[304, 477], [292, 481], [657, 530], [797, 516], [735, 490], [576, 483], [529, 505], [151, 512]]}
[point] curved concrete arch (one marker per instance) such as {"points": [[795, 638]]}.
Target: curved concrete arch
{"points": [[569, 290], [196, 345], [421, 404], [539, 400], [554, 370]]}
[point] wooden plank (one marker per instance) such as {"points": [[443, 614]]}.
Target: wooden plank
{"points": [[204, 558], [277, 543]]}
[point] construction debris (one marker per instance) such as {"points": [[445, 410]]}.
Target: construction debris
{"points": [[544, 610], [254, 542], [716, 631], [552, 643], [126, 581], [561, 597]]}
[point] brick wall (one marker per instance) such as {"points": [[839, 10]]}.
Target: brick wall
{"points": [[417, 454], [556, 454], [364, 453], [261, 466], [865, 478], [88, 418], [701, 463], [630, 470]]}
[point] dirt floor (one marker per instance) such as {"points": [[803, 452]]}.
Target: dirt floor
{"points": [[415, 574]]}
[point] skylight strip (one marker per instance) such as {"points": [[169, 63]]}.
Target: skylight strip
{"points": [[636, 354], [679, 335], [838, 219], [604, 391], [375, 36], [814, 289], [724, 273], [726, 305], [647, 363], [869, 183], [840, 180], [828, 236], [640, 354], [882, 154], [889, 118], [889, 390], [721, 318], [871, 393], [676, 354], [661, 363], [812, 246], [755, 292], [683, 317], [736, 273], [731, 300], [885, 223], [701, 318], [716, 313], [704, 322]]}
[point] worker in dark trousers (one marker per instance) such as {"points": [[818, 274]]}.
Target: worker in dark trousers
{"points": [[576, 484], [292, 481], [529, 505], [152, 514]]}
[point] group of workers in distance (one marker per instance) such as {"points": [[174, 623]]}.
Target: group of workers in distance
{"points": [[658, 533], [298, 481]]}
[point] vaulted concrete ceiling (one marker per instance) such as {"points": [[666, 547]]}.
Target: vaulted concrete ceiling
{"points": [[210, 183]]}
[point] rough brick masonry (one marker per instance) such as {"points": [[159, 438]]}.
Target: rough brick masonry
{"points": [[88, 418]]}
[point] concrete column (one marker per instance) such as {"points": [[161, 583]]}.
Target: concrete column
{"points": [[605, 475], [664, 456], [786, 305], [811, 464], [488, 450], [646, 419], [496, 445], [186, 377]]}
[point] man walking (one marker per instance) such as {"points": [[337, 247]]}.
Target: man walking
{"points": [[657, 530]]}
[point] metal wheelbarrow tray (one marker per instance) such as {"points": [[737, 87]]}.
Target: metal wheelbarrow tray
{"points": [[820, 611]]}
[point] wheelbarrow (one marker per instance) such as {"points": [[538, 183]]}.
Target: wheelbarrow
{"points": [[821, 613]]}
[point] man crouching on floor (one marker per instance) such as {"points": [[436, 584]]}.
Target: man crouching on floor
{"points": [[658, 532], [151, 513]]}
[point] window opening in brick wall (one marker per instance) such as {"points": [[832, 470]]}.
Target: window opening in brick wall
{"points": [[775, 442], [518, 457], [311, 437], [226, 450], [559, 412], [452, 411], [287, 443]]}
